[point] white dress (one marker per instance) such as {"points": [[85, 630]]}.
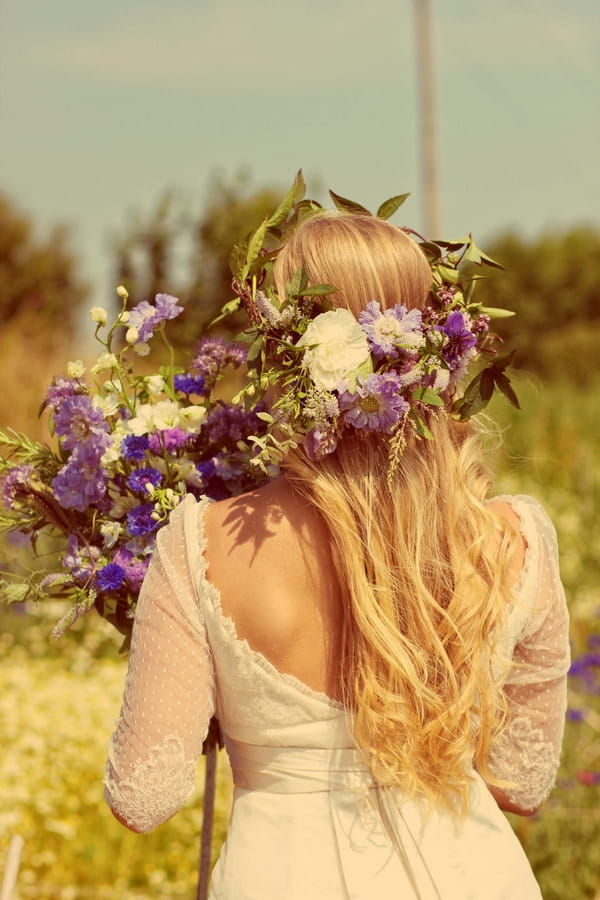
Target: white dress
{"points": [[308, 821]]}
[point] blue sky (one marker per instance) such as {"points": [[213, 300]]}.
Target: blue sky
{"points": [[105, 105]]}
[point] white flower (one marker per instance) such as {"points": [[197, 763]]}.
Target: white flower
{"points": [[104, 361], [141, 348], [99, 315], [131, 335], [122, 292], [341, 349], [192, 417], [75, 369], [108, 406], [442, 377], [110, 532], [155, 384], [123, 317], [155, 417]]}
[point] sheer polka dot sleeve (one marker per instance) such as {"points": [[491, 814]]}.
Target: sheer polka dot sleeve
{"points": [[528, 752], [169, 687]]}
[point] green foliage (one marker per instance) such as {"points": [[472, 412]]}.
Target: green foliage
{"points": [[39, 284], [553, 284]]}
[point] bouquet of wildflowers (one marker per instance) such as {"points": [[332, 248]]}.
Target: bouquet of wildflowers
{"points": [[125, 449]]}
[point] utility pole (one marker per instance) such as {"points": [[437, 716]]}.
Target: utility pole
{"points": [[429, 152]]}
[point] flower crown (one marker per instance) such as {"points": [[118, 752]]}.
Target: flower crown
{"points": [[379, 373]]}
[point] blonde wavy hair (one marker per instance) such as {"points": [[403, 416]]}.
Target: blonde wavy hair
{"points": [[424, 565]]}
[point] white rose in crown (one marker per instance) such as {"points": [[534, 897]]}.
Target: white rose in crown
{"points": [[340, 351]]}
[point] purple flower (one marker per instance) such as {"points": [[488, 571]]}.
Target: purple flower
{"points": [[168, 439], [147, 318], [212, 355], [61, 389], [319, 443], [82, 481], [226, 425], [139, 478], [140, 520], [575, 715], [134, 568], [110, 577], [78, 421], [391, 331], [375, 404], [189, 384], [80, 561], [460, 340], [133, 447], [446, 294], [15, 483]]}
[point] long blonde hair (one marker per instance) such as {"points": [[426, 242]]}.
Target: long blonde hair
{"points": [[423, 572]]}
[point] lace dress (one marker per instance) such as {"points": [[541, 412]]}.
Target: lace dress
{"points": [[308, 821]]}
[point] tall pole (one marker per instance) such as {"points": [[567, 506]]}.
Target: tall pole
{"points": [[429, 153]]}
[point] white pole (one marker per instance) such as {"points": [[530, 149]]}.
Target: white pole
{"points": [[429, 154], [13, 859]]}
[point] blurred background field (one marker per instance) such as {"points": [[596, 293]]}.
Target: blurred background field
{"points": [[59, 701]]}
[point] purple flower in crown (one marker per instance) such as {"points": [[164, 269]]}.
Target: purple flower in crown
{"points": [[318, 443], [391, 331], [146, 318], [77, 421], [82, 482], [375, 404], [460, 343]]}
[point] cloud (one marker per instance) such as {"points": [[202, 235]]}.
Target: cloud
{"points": [[258, 42]]}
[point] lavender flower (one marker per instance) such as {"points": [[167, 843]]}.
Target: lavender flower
{"points": [[14, 484], [139, 478], [391, 331], [318, 444], [78, 421], [169, 439], [146, 318], [81, 483], [375, 404]]}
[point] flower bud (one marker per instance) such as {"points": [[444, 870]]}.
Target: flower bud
{"points": [[99, 315], [75, 369], [122, 292], [132, 335]]}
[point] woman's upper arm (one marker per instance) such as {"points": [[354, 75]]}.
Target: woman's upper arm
{"points": [[527, 753], [169, 693]]}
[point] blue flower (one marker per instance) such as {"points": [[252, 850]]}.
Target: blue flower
{"points": [[133, 447], [189, 384], [140, 520], [139, 478], [110, 577], [375, 404]]}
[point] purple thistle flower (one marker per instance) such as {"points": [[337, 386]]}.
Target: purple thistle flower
{"points": [[140, 520], [460, 340], [375, 404], [189, 384], [446, 294], [212, 355], [139, 478], [78, 421], [82, 481], [391, 331], [133, 447], [110, 577]]}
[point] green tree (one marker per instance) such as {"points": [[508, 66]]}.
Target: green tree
{"points": [[180, 252], [553, 284]]}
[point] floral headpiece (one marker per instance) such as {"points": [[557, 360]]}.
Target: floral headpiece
{"points": [[381, 372]]}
